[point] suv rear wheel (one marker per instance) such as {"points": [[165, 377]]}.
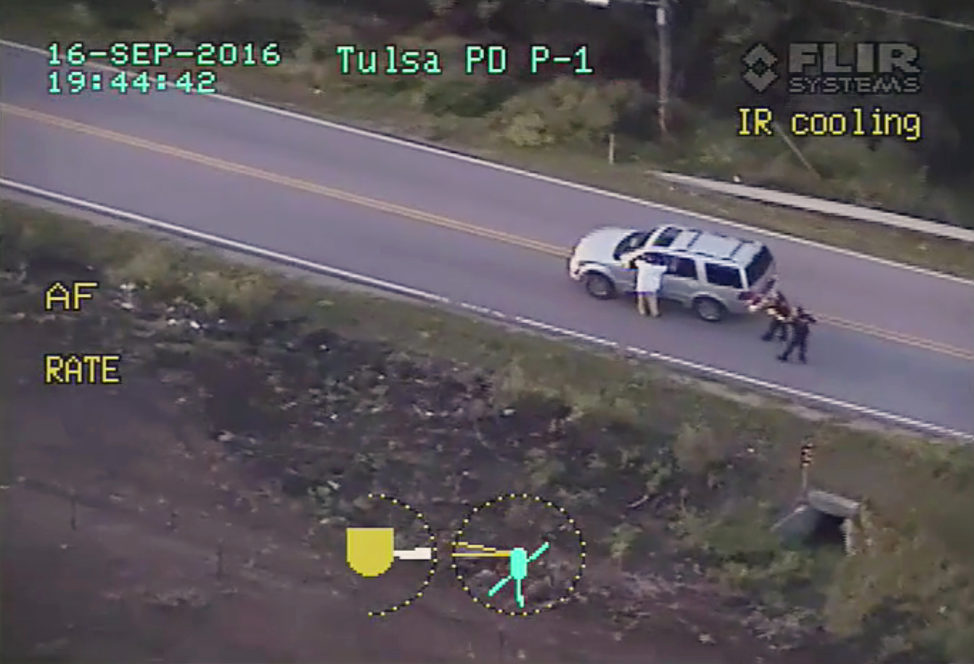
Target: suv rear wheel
{"points": [[709, 309], [599, 286]]}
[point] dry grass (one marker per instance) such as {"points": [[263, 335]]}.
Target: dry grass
{"points": [[742, 458]]}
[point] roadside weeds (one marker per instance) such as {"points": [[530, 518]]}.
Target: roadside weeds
{"points": [[708, 473]]}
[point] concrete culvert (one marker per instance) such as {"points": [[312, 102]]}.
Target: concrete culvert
{"points": [[820, 519]]}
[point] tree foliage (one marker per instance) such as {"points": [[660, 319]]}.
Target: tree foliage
{"points": [[709, 40], [932, 176]]}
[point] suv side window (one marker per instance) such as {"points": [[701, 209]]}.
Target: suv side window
{"points": [[722, 275], [683, 267]]}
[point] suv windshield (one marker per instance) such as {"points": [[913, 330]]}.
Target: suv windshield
{"points": [[631, 242], [759, 266]]}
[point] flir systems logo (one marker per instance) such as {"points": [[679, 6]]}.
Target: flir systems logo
{"points": [[815, 68]]}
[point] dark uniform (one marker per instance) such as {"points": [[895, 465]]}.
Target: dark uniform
{"points": [[780, 312], [801, 322]]}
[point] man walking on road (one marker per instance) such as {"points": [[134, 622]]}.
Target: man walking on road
{"points": [[801, 322], [649, 278]]}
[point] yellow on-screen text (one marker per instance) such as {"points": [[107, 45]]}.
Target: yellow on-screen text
{"points": [[857, 121]]}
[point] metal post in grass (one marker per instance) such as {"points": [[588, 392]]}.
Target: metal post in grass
{"points": [[612, 148], [796, 150], [807, 450]]}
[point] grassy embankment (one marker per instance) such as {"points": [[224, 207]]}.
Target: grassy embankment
{"points": [[559, 128], [711, 472]]}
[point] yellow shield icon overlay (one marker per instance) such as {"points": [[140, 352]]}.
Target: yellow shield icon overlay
{"points": [[369, 550]]}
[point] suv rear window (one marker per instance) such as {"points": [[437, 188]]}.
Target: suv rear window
{"points": [[722, 275], [758, 266]]}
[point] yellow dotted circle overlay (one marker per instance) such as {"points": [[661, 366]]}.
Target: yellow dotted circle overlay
{"points": [[433, 562], [493, 502]]}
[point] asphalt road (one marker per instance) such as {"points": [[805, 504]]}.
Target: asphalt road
{"points": [[472, 233]]}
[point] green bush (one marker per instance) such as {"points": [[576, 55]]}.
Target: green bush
{"points": [[712, 145], [567, 110], [238, 21], [121, 14], [320, 39], [743, 551], [895, 177], [742, 536], [785, 568], [248, 295], [37, 243], [907, 573], [150, 270], [527, 130], [471, 98]]}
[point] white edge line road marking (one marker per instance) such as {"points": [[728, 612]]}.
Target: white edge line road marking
{"points": [[442, 152], [225, 243], [242, 247], [530, 322]]}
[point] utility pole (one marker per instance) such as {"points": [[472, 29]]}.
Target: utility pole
{"points": [[665, 54], [663, 31]]}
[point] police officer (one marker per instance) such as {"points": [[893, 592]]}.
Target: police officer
{"points": [[776, 306], [780, 312], [801, 322]]}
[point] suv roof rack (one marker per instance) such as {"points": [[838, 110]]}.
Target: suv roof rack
{"points": [[704, 243]]}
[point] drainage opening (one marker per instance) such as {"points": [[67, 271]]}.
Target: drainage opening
{"points": [[829, 530]]}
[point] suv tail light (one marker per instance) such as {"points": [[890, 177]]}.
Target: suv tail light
{"points": [[746, 295]]}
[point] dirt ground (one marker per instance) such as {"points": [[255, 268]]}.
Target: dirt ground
{"points": [[134, 532]]}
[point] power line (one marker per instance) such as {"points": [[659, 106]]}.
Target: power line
{"points": [[957, 25]]}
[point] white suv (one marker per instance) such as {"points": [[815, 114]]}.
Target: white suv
{"points": [[711, 273]]}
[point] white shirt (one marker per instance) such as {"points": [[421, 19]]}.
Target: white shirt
{"points": [[648, 277]]}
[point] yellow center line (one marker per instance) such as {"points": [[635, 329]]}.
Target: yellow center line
{"points": [[276, 178], [899, 337], [407, 212]]}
